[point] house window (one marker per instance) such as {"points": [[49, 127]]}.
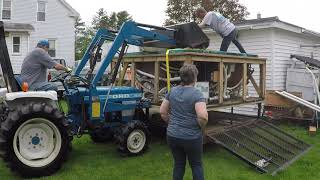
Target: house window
{"points": [[52, 48], [16, 44], [41, 14], [6, 9]]}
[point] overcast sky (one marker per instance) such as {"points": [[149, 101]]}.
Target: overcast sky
{"points": [[304, 13]]}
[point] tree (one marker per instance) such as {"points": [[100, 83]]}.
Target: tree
{"points": [[82, 42], [122, 17], [100, 20], [79, 25], [80, 28], [231, 9], [112, 21], [182, 11]]}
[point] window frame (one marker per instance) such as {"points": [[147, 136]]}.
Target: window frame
{"points": [[45, 10], [20, 41], [3, 8], [55, 47]]}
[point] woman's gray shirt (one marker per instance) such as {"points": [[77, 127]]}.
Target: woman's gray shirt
{"points": [[183, 121]]}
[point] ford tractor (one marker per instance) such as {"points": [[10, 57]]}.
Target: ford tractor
{"points": [[36, 131]]}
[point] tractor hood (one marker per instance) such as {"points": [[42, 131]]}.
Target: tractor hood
{"points": [[116, 93]]}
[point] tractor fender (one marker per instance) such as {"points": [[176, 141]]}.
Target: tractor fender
{"points": [[3, 92], [20, 98], [52, 95]]}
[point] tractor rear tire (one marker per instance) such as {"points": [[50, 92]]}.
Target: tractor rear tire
{"points": [[133, 138], [35, 140], [101, 135]]}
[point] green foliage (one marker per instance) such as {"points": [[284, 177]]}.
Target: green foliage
{"points": [[112, 24], [231, 9], [122, 17], [101, 19], [83, 40], [112, 21], [182, 11], [79, 25]]}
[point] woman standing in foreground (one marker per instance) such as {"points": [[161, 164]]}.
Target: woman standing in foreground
{"points": [[185, 111]]}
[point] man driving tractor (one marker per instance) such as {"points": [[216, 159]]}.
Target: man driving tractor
{"points": [[35, 65]]}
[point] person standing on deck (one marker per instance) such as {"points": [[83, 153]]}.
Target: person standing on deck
{"points": [[222, 26]]}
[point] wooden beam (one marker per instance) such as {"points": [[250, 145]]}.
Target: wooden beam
{"points": [[234, 103], [221, 67], [196, 58], [156, 81], [201, 57], [194, 54], [263, 74], [255, 85], [113, 64], [133, 74], [244, 83], [188, 60], [123, 73]]}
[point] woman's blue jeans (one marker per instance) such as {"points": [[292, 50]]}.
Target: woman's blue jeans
{"points": [[182, 149]]}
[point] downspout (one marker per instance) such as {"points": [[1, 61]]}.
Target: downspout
{"points": [[28, 42], [272, 58]]}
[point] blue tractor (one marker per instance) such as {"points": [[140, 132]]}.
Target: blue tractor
{"points": [[35, 133]]}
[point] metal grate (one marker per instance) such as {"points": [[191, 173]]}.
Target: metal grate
{"points": [[262, 145]]}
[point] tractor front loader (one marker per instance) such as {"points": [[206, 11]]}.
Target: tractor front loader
{"points": [[35, 133]]}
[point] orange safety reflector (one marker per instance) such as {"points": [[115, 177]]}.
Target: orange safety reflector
{"points": [[25, 87]]}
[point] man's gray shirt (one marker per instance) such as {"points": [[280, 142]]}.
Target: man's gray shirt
{"points": [[183, 121], [35, 65], [218, 23]]}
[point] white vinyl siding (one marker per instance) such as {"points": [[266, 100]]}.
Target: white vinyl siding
{"points": [[16, 45], [254, 42], [41, 12], [286, 44], [58, 25], [17, 58], [276, 45], [6, 9]]}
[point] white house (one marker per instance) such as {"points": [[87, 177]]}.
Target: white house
{"points": [[274, 40], [28, 21]]}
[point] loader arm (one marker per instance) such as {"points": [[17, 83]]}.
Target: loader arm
{"points": [[101, 36], [130, 33]]}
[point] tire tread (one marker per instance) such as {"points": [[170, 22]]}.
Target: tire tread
{"points": [[14, 120]]}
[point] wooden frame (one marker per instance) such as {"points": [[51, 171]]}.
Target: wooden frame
{"points": [[221, 60]]}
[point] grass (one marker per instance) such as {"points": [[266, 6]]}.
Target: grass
{"points": [[101, 161]]}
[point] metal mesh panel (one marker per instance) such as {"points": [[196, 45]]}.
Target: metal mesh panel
{"points": [[261, 145]]}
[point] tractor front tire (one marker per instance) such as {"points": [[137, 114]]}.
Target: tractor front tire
{"points": [[35, 140], [133, 138]]}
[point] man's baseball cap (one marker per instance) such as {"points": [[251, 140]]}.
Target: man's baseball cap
{"points": [[43, 43]]}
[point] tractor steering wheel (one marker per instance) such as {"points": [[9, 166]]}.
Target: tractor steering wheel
{"points": [[61, 77], [85, 81]]}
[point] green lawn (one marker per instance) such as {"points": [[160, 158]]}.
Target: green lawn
{"points": [[101, 161]]}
